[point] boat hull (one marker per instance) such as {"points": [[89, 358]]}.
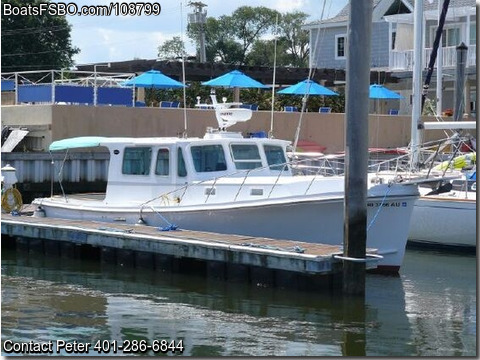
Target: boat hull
{"points": [[444, 222], [310, 219]]}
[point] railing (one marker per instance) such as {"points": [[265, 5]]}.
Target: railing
{"points": [[403, 60], [396, 166], [69, 87]]}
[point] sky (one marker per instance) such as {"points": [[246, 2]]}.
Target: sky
{"points": [[122, 38]]}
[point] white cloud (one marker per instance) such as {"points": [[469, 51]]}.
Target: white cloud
{"points": [[114, 45]]}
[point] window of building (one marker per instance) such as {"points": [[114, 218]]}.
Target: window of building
{"points": [[208, 158], [451, 37], [275, 157], [136, 161], [181, 168], [163, 162], [473, 34], [394, 37], [246, 156], [340, 46]]}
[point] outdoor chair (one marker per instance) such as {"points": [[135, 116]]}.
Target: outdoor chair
{"points": [[324, 109], [165, 104], [393, 112], [290, 109], [175, 104], [253, 107]]}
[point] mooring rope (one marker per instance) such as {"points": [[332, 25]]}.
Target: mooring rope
{"points": [[169, 226], [381, 206]]}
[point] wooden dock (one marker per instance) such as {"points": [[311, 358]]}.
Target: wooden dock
{"points": [[263, 261]]}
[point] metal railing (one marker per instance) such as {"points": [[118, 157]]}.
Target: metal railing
{"points": [[403, 60]]}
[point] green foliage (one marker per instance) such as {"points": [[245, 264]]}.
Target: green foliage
{"points": [[263, 54], [172, 49], [40, 42], [239, 39], [295, 40], [248, 24]]}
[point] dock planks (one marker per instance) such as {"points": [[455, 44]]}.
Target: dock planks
{"points": [[236, 250]]}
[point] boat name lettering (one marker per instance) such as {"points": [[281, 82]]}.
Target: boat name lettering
{"points": [[387, 204]]}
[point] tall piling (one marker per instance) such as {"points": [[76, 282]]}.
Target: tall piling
{"points": [[356, 144]]}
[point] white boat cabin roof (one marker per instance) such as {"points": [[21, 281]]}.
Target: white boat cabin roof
{"points": [[178, 160]]}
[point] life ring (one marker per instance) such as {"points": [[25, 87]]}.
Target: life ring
{"points": [[11, 200]]}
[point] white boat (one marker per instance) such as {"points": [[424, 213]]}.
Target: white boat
{"points": [[446, 220], [226, 183], [442, 219]]}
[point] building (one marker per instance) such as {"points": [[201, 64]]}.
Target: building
{"points": [[392, 44]]}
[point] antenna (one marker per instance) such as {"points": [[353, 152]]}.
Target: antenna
{"points": [[274, 73], [183, 78], [199, 16]]}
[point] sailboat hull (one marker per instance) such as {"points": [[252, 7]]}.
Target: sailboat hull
{"points": [[444, 221]]}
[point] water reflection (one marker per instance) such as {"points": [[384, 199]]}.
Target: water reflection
{"points": [[49, 298], [441, 302]]}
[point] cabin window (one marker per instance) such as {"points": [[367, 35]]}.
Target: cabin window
{"points": [[275, 157], [208, 158], [163, 162], [181, 168], [340, 43], [246, 156], [136, 161]]}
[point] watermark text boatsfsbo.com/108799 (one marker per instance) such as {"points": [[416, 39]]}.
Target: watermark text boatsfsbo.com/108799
{"points": [[72, 9]]}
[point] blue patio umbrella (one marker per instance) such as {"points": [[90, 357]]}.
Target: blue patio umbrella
{"points": [[309, 86], [381, 92], [154, 79], [235, 79]]}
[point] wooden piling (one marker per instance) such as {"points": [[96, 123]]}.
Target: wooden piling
{"points": [[356, 144]]}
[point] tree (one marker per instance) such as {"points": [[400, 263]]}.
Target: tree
{"points": [[263, 53], [295, 39], [248, 24], [35, 42], [172, 49], [221, 46], [230, 38]]}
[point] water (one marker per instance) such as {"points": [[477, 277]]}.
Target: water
{"points": [[429, 310]]}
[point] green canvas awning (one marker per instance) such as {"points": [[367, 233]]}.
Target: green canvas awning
{"points": [[76, 142]]}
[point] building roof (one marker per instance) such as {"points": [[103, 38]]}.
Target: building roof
{"points": [[388, 7]]}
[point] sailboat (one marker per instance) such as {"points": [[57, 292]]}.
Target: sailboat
{"points": [[446, 216]]}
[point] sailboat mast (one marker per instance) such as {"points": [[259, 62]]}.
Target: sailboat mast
{"points": [[439, 104], [417, 84], [433, 55]]}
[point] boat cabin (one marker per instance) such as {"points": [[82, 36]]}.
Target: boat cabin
{"points": [[151, 166], [144, 168]]}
